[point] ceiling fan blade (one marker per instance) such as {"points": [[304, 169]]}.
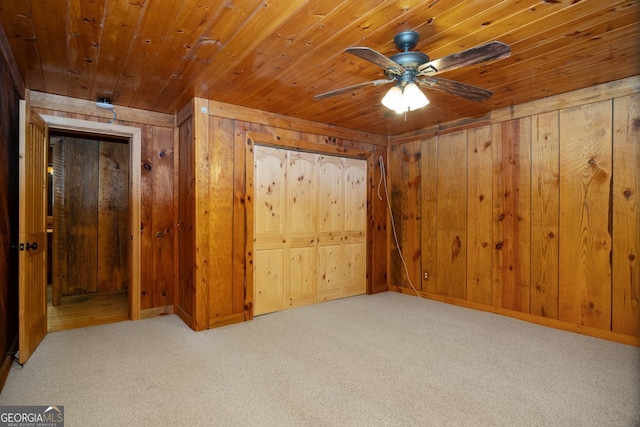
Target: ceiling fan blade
{"points": [[475, 55], [377, 58], [463, 90], [350, 88]]}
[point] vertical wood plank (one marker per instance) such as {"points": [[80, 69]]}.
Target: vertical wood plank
{"points": [[545, 199], [241, 282], [81, 185], [162, 223], [59, 258], [220, 207], [146, 218], [404, 179], [186, 222], [428, 215], [512, 202], [203, 163], [626, 216], [452, 215], [377, 235], [480, 211], [113, 216], [249, 249], [585, 241]]}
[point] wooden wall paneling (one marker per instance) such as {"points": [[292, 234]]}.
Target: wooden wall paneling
{"points": [[49, 104], [330, 205], [58, 260], [404, 177], [301, 226], [243, 289], [479, 214], [245, 263], [113, 216], [451, 214], [428, 215], [244, 251], [355, 226], [545, 204], [512, 203], [204, 222], [626, 216], [81, 210], [585, 240], [11, 89], [267, 123], [377, 231], [185, 298], [220, 206], [270, 215], [162, 227], [146, 219]]}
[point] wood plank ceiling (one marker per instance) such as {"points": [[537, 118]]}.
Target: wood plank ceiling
{"points": [[275, 55]]}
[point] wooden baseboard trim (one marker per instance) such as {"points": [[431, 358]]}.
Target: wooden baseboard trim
{"points": [[186, 317], [156, 311], [543, 321], [7, 362], [227, 320]]}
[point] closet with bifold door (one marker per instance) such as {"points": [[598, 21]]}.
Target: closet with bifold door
{"points": [[310, 217]]}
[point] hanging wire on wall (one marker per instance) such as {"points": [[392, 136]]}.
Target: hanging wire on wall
{"points": [[383, 180]]}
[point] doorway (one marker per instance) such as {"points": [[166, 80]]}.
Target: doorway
{"points": [[115, 301], [87, 230]]}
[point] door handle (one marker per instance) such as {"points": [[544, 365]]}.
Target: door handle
{"points": [[26, 246]]}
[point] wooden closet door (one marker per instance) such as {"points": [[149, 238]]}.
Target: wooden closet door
{"points": [[330, 207], [310, 218], [301, 229], [355, 226], [270, 212]]}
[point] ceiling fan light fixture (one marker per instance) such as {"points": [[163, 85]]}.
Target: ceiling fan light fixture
{"points": [[393, 100], [401, 100], [413, 98]]}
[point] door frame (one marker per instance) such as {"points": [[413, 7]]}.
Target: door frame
{"points": [[134, 135]]}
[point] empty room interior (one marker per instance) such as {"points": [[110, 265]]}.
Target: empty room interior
{"points": [[300, 212]]}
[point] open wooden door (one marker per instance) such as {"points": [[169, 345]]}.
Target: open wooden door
{"points": [[32, 291]]}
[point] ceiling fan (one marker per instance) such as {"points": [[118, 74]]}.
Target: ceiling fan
{"points": [[410, 69]]}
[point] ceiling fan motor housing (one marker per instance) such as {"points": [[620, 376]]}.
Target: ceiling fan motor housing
{"points": [[409, 60], [406, 40]]}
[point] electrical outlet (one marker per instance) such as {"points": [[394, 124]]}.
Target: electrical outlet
{"points": [[426, 275]]}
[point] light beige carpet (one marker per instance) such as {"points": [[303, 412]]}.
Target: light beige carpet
{"points": [[379, 360]]}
